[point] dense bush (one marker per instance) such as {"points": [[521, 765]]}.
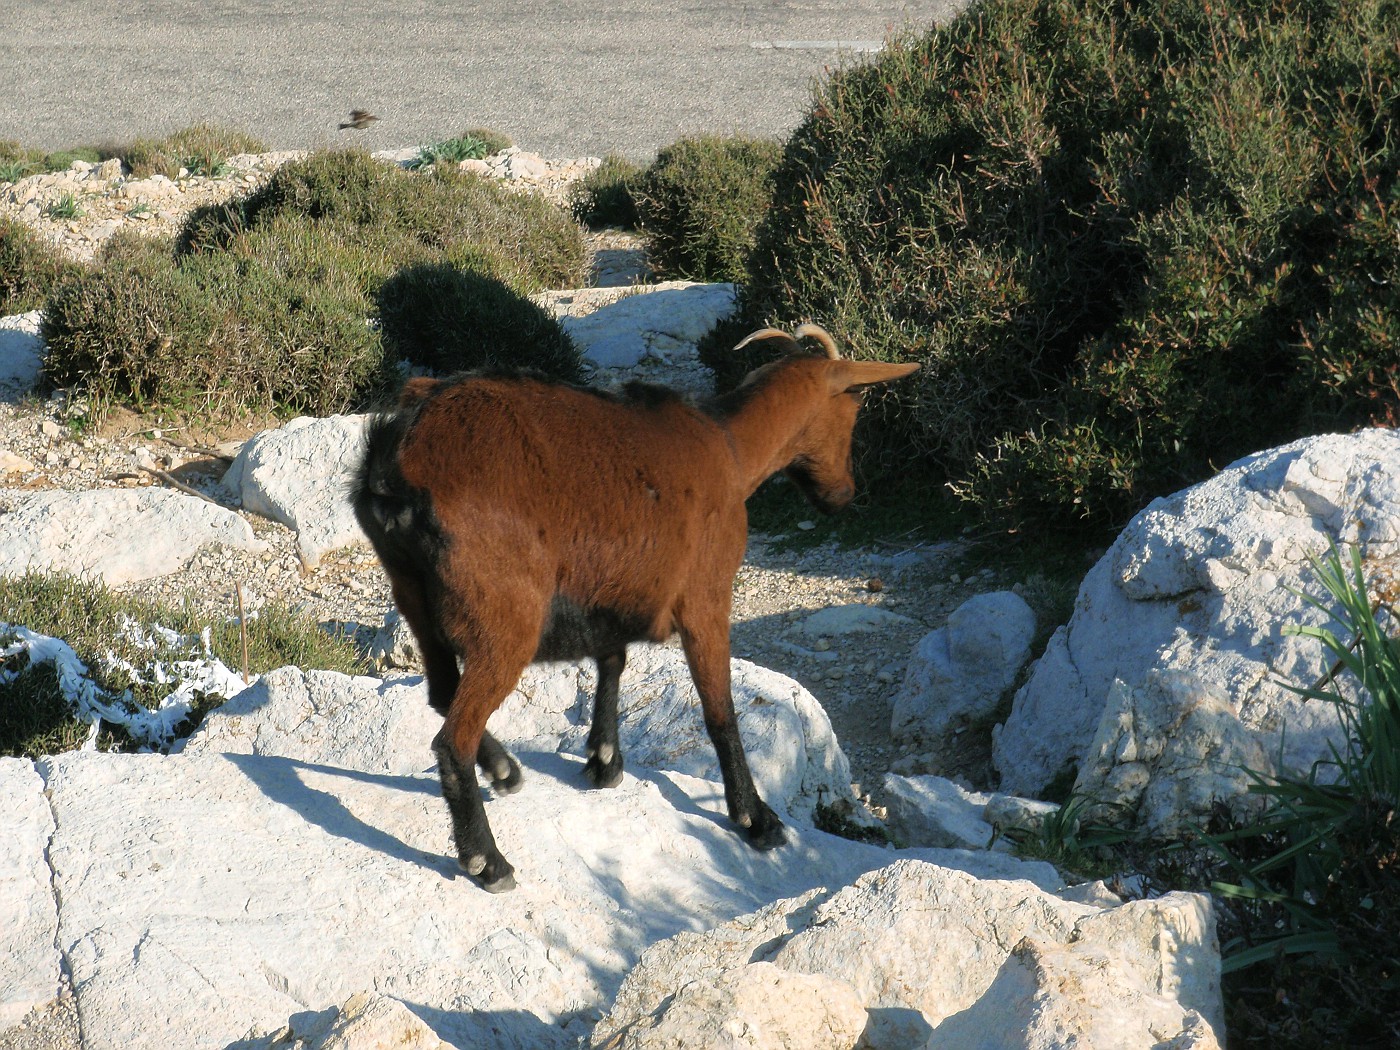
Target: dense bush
{"points": [[604, 197], [1129, 242], [29, 269], [700, 202], [447, 319], [265, 303]]}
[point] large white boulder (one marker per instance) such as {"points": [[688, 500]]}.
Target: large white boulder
{"points": [[661, 322], [959, 672], [1199, 587], [299, 475], [116, 535], [220, 895], [387, 726], [926, 948], [28, 910]]}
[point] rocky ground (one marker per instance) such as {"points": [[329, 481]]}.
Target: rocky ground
{"points": [[48, 441]]}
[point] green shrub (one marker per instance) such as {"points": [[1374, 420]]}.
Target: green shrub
{"points": [[700, 203], [29, 269], [1316, 881], [604, 197], [35, 717], [203, 149], [494, 141], [278, 322], [532, 244], [450, 319], [1129, 243], [18, 162], [265, 303]]}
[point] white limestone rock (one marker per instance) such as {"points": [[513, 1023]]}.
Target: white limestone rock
{"points": [[933, 811], [924, 946], [1202, 584], [1164, 755], [752, 1007], [663, 322], [21, 353], [327, 718], [28, 911], [117, 535], [365, 1021], [959, 673], [216, 894], [367, 724], [300, 475]]}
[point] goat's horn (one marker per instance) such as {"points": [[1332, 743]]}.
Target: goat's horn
{"points": [[763, 333], [821, 335]]}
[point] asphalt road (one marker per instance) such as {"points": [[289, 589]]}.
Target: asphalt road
{"points": [[561, 78]]}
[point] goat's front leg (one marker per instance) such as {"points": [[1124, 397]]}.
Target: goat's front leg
{"points": [[462, 740], [708, 656], [604, 765]]}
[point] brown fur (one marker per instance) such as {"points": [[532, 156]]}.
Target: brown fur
{"points": [[549, 521]]}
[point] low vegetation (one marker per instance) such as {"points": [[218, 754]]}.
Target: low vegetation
{"points": [[29, 269], [606, 196], [203, 149], [130, 645], [299, 296]]}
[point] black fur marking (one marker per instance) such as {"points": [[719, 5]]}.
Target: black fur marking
{"points": [[571, 632]]}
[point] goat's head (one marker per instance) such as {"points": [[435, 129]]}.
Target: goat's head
{"points": [[821, 460]]}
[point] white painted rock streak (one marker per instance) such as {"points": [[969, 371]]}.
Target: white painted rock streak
{"points": [[1202, 584], [117, 535], [300, 476], [28, 912]]}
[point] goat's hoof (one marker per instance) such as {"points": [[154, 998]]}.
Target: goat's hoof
{"points": [[504, 884], [492, 874], [764, 830], [604, 774], [509, 780]]}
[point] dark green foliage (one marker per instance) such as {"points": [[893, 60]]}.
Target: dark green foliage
{"points": [[1128, 242], [35, 718], [265, 303], [1315, 883], [29, 270], [604, 197], [450, 319], [700, 203]]}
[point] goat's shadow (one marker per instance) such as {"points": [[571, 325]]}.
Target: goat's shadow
{"points": [[280, 780]]}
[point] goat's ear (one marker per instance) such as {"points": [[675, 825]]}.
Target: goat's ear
{"points": [[851, 377]]}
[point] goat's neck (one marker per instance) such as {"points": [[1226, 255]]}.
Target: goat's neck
{"points": [[766, 420]]}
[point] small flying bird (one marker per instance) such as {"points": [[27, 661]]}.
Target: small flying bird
{"points": [[359, 120]]}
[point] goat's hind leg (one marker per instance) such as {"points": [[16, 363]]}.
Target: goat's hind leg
{"points": [[604, 767], [708, 655]]}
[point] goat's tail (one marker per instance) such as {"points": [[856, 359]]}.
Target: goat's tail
{"points": [[397, 517]]}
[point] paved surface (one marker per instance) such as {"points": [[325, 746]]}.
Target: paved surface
{"points": [[562, 77]]}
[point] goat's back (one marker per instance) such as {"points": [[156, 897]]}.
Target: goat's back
{"points": [[612, 498]]}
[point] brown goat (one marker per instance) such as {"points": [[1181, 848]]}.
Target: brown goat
{"points": [[520, 520]]}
